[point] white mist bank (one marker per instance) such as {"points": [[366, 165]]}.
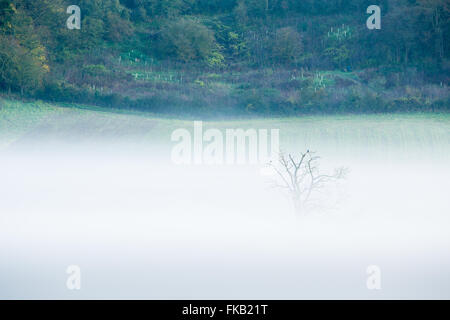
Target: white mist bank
{"points": [[141, 227], [101, 192]]}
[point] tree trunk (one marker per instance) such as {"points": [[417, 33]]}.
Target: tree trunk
{"points": [[298, 208]]}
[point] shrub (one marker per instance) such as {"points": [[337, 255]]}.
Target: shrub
{"points": [[187, 40], [22, 68], [287, 45]]}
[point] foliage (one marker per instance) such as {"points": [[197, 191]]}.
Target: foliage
{"points": [[187, 40], [270, 57], [287, 45]]}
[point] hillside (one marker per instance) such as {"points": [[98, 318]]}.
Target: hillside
{"points": [[234, 57]]}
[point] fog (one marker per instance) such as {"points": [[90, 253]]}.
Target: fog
{"points": [[139, 226]]}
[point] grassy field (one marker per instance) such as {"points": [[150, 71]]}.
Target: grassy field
{"points": [[424, 133]]}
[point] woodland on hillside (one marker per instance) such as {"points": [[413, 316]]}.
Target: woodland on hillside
{"points": [[222, 57]]}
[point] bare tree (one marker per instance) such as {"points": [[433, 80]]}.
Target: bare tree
{"points": [[301, 177]]}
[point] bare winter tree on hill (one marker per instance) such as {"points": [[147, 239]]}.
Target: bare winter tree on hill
{"points": [[301, 177]]}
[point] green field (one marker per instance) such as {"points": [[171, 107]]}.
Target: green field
{"points": [[421, 134]]}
